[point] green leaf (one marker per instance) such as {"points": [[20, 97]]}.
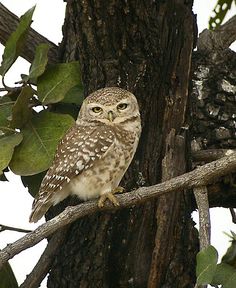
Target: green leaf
{"points": [[40, 61], [230, 255], [220, 10], [222, 274], [7, 145], [7, 277], [41, 137], [16, 42], [231, 281], [21, 111], [57, 80], [66, 108], [3, 177], [5, 110], [33, 182], [206, 265], [75, 95]]}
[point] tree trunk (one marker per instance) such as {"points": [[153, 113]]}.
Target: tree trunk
{"points": [[144, 47], [213, 113]]}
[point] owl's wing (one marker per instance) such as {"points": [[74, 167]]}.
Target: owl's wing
{"points": [[80, 148]]}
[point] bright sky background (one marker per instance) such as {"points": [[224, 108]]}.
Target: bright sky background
{"points": [[15, 204]]}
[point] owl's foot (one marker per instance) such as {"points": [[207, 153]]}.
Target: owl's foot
{"points": [[110, 196], [118, 189]]}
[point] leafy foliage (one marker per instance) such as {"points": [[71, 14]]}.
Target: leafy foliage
{"points": [[230, 255], [220, 10], [5, 111], [74, 95], [224, 274], [57, 80], [7, 277], [41, 135], [40, 61], [206, 265], [209, 272], [54, 84], [21, 112], [16, 41], [29, 150], [7, 145], [33, 182]]}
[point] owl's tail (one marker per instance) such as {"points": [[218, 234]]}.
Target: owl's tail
{"points": [[40, 207]]}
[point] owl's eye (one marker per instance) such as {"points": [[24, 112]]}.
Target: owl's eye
{"points": [[122, 106], [97, 109]]}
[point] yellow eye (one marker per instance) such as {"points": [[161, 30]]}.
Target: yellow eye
{"points": [[96, 109], [122, 106]]}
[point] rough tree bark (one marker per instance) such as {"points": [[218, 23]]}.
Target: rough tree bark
{"points": [[146, 48], [213, 107]]}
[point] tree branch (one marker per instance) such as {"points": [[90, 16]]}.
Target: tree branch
{"points": [[233, 215], [8, 24], [227, 32], [10, 228], [201, 197], [201, 176], [41, 269], [219, 39], [209, 155]]}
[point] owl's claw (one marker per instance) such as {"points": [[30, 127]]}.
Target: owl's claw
{"points": [[106, 196], [118, 189], [110, 196]]}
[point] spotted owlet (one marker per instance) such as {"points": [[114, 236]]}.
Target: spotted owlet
{"points": [[94, 154]]}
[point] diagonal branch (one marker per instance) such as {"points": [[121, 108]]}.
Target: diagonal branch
{"points": [[209, 155], [227, 32], [201, 176], [41, 269], [10, 228], [219, 39], [8, 24]]}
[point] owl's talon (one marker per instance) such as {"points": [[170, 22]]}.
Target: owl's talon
{"points": [[106, 196], [119, 189]]}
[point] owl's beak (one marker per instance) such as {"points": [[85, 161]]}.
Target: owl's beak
{"points": [[110, 116]]}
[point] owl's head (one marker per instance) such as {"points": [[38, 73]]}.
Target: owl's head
{"points": [[111, 105]]}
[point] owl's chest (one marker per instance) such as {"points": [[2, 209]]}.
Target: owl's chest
{"points": [[104, 176]]}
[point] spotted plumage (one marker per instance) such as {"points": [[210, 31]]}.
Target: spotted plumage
{"points": [[93, 156]]}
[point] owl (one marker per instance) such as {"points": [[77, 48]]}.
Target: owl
{"points": [[95, 153]]}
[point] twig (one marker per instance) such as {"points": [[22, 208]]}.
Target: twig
{"points": [[233, 215], [7, 88], [10, 228], [41, 269], [8, 24], [210, 155], [201, 176], [3, 89]]}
